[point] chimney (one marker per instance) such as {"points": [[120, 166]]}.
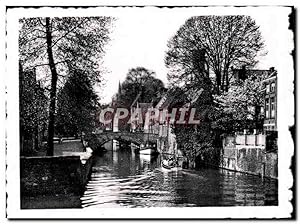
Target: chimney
{"points": [[271, 69]]}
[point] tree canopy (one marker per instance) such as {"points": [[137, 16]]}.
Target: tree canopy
{"points": [[141, 80], [227, 41], [33, 111], [76, 105], [243, 103], [57, 46], [76, 43]]}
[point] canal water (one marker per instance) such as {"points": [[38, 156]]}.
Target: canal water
{"points": [[123, 179]]}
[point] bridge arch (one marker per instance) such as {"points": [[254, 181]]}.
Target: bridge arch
{"points": [[134, 137]]}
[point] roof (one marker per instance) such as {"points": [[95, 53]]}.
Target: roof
{"points": [[166, 100], [244, 73], [271, 76], [171, 97]]}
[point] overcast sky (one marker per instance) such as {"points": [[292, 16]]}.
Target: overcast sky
{"points": [[139, 38]]}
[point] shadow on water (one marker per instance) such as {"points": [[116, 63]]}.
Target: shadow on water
{"points": [[122, 178]]}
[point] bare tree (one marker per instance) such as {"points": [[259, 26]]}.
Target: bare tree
{"points": [[226, 40], [57, 45]]}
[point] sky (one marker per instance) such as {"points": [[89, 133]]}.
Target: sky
{"points": [[139, 38], [138, 42]]}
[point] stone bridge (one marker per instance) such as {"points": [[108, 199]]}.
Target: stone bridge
{"points": [[134, 137]]}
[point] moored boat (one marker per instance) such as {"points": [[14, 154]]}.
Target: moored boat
{"points": [[146, 157], [167, 167], [170, 165], [147, 151]]}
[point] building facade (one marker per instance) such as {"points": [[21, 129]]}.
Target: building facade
{"points": [[270, 112], [270, 105]]}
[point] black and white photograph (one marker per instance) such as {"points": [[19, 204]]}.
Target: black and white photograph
{"points": [[149, 111]]}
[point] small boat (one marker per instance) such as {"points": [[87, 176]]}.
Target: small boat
{"points": [[148, 151], [146, 157], [167, 166]]}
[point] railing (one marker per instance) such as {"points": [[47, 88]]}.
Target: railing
{"points": [[247, 139], [135, 137]]}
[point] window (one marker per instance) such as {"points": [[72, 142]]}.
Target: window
{"points": [[267, 88], [273, 107], [273, 87], [262, 111], [267, 108]]}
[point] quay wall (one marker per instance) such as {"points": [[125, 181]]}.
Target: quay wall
{"points": [[53, 175], [247, 153]]}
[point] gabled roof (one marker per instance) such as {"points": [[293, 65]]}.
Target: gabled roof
{"points": [[171, 97], [193, 97], [166, 100], [273, 75]]}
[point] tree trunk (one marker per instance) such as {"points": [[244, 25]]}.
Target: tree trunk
{"points": [[227, 80], [223, 82], [218, 81], [50, 149]]}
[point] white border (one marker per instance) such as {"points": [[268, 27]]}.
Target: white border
{"points": [[11, 79]]}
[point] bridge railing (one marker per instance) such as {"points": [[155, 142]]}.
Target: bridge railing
{"points": [[135, 137]]}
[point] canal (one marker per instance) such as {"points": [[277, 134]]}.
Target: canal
{"points": [[124, 179]]}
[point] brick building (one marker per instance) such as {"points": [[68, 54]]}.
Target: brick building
{"points": [[270, 111], [270, 106]]}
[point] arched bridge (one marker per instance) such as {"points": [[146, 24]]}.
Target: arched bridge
{"points": [[134, 137]]}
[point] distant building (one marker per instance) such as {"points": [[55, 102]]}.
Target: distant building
{"points": [[114, 104], [109, 116], [164, 128], [167, 139], [242, 74], [269, 86], [136, 125], [270, 106], [270, 111]]}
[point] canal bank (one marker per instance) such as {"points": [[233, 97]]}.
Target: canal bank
{"points": [[55, 181]]}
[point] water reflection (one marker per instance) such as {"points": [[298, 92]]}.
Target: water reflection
{"points": [[122, 179]]}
